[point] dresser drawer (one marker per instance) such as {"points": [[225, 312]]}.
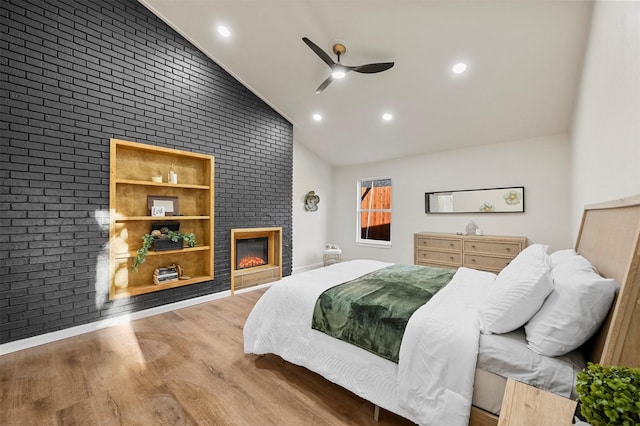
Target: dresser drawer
{"points": [[492, 247], [486, 263], [452, 244], [428, 256]]}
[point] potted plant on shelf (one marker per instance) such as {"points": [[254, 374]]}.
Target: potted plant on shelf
{"points": [[609, 395], [161, 239]]}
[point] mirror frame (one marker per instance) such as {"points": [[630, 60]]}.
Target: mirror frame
{"points": [[428, 208]]}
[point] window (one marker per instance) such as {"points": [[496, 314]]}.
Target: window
{"points": [[374, 211]]}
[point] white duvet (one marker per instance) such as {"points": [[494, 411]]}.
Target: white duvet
{"points": [[432, 384]]}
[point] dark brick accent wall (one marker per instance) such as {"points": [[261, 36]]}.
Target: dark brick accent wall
{"points": [[74, 75]]}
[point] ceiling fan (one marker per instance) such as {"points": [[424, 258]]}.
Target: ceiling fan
{"points": [[337, 69]]}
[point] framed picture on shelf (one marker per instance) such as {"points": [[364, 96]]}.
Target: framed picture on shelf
{"points": [[156, 203]]}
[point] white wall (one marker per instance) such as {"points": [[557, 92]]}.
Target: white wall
{"points": [[561, 174], [606, 128], [310, 233], [541, 165]]}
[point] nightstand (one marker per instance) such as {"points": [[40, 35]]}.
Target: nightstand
{"points": [[524, 405]]}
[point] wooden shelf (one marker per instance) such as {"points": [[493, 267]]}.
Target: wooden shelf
{"points": [[143, 289], [126, 255], [161, 184], [160, 218], [132, 165]]}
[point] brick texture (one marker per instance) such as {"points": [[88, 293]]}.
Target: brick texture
{"points": [[74, 75]]}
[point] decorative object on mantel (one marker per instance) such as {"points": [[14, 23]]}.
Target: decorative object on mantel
{"points": [[161, 239], [311, 201], [471, 228], [608, 395]]}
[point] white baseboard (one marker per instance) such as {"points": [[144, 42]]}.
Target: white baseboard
{"points": [[42, 339], [300, 269]]}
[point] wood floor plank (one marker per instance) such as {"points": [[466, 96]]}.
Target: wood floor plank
{"points": [[185, 367]]}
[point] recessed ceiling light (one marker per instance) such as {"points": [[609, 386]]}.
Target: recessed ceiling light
{"points": [[459, 68], [317, 117], [224, 31], [387, 116]]}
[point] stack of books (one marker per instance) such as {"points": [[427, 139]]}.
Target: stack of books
{"points": [[163, 275]]}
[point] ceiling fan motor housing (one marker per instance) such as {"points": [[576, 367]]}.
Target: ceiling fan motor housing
{"points": [[339, 48]]}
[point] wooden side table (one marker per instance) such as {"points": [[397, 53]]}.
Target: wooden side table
{"points": [[524, 405]]}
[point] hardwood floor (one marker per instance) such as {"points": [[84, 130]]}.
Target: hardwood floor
{"points": [[179, 368]]}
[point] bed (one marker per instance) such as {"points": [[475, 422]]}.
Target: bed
{"points": [[429, 385]]}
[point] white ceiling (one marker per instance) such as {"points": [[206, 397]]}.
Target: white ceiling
{"points": [[524, 60]]}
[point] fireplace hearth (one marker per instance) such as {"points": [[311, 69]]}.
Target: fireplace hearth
{"points": [[256, 256]]}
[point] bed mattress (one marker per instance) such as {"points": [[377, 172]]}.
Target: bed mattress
{"points": [[502, 356]]}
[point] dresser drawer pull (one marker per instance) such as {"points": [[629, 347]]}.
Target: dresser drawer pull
{"points": [[473, 246], [473, 260], [508, 248]]}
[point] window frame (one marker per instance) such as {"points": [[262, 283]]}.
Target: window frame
{"points": [[367, 242]]}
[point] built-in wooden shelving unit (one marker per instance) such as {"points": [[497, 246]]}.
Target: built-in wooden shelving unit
{"points": [[132, 167]]}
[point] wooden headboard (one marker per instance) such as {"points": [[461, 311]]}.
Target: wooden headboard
{"points": [[610, 238]]}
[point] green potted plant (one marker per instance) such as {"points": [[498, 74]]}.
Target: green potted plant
{"points": [[171, 240], [609, 395]]}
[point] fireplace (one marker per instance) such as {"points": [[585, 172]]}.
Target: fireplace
{"points": [[252, 252], [256, 256]]}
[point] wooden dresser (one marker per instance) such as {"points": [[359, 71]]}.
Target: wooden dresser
{"points": [[487, 253]]}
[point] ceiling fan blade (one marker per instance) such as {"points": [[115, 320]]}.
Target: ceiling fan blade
{"points": [[372, 68], [324, 84], [321, 53]]}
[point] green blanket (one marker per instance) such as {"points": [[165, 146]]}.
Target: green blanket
{"points": [[372, 311]]}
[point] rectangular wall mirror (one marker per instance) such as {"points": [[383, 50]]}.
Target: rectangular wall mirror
{"points": [[493, 200]]}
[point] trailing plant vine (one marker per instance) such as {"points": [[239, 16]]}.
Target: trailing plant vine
{"points": [[149, 239]]}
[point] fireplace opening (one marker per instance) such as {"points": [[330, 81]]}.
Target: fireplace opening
{"points": [[252, 252]]}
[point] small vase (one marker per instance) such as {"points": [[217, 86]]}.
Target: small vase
{"points": [[471, 228]]}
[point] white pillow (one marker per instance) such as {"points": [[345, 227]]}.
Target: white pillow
{"points": [[567, 267], [518, 291], [573, 312], [560, 255]]}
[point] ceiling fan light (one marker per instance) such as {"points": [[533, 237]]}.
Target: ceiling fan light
{"points": [[338, 73]]}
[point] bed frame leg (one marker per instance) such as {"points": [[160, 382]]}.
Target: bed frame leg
{"points": [[376, 413]]}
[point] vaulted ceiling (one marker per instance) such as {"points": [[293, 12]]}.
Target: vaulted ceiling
{"points": [[524, 60]]}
